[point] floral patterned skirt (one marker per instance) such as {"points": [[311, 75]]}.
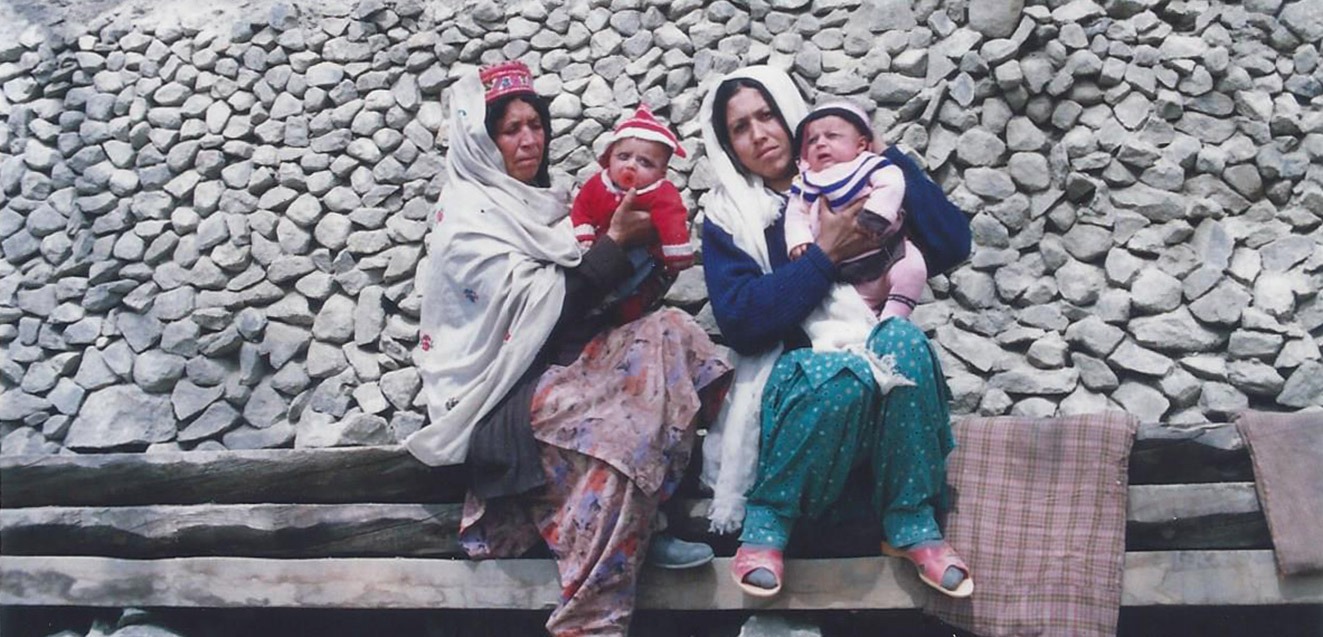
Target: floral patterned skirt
{"points": [[617, 427]]}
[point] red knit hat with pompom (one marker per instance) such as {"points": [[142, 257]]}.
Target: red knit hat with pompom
{"points": [[642, 125]]}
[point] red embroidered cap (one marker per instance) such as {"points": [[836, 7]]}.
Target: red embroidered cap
{"points": [[506, 78]]}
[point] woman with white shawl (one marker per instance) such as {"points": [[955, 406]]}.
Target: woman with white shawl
{"points": [[801, 428], [572, 431]]}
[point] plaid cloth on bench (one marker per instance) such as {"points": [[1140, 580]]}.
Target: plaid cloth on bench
{"points": [[1039, 516]]}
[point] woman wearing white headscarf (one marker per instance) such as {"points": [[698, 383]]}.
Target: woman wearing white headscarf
{"points": [[798, 423], [572, 431]]}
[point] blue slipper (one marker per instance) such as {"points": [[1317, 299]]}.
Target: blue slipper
{"points": [[672, 553]]}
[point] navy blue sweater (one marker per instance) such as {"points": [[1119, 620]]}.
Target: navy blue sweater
{"points": [[755, 311]]}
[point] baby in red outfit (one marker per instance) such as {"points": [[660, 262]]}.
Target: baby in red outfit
{"points": [[636, 159]]}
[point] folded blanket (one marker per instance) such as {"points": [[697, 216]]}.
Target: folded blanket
{"points": [[1287, 452], [1039, 516]]}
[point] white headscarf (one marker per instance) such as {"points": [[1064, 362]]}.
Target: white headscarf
{"points": [[744, 207], [494, 283]]}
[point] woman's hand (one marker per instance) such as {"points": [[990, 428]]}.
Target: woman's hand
{"points": [[630, 227], [839, 236]]}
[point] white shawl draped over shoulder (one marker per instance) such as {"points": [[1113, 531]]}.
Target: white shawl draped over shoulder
{"points": [[493, 285], [744, 207]]}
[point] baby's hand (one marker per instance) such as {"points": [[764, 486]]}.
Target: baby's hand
{"points": [[630, 226], [798, 251], [876, 225]]}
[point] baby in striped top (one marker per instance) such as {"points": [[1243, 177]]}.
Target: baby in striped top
{"points": [[838, 168]]}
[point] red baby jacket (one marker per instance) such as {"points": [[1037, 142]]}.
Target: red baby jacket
{"points": [[597, 201]]}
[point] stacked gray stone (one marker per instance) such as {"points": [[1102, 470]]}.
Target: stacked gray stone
{"points": [[211, 230]]}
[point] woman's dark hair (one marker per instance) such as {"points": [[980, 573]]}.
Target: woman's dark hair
{"points": [[727, 90], [496, 110]]}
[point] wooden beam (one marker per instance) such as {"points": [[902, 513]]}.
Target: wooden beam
{"points": [[1157, 503], [1151, 579], [1162, 454], [351, 474], [236, 530], [1160, 517], [1213, 578], [1195, 516]]}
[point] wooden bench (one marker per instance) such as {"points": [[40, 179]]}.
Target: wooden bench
{"points": [[373, 528]]}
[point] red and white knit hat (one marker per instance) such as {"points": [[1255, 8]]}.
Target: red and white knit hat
{"points": [[642, 125], [506, 78]]}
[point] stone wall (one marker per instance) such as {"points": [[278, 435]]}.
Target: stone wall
{"points": [[213, 212]]}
